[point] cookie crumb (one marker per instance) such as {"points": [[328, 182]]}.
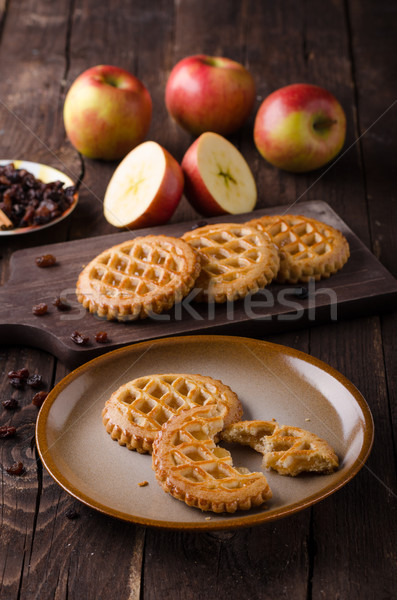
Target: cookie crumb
{"points": [[307, 419], [208, 518], [143, 483]]}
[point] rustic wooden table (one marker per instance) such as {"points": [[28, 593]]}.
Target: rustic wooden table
{"points": [[343, 547]]}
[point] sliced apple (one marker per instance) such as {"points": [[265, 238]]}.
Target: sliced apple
{"points": [[145, 189], [218, 180]]}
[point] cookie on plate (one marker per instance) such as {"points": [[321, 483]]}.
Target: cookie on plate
{"points": [[236, 259], [192, 468], [287, 450], [309, 249], [135, 413], [138, 277]]}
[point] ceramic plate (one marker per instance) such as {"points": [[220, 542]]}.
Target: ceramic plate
{"points": [[46, 174], [271, 381]]}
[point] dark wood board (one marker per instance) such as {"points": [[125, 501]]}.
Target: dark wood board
{"points": [[361, 286]]}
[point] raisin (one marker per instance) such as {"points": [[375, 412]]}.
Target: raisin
{"points": [[199, 224], [60, 304], [11, 404], [46, 260], [35, 381], [20, 374], [16, 469], [72, 514], [101, 337], [7, 431], [302, 293], [40, 309], [17, 383], [39, 398], [79, 338]]}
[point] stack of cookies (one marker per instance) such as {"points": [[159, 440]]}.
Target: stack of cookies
{"points": [[179, 417], [222, 262]]}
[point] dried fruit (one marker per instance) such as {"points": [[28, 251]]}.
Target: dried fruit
{"points": [[35, 381], [72, 514], [11, 404], [60, 304], [79, 338], [40, 309], [101, 337], [7, 431], [28, 201], [46, 260], [20, 374], [17, 383], [16, 469], [39, 398]]}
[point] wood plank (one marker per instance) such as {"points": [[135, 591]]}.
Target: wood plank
{"points": [[373, 34], [362, 285]]}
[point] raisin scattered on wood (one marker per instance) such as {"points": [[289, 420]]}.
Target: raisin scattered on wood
{"points": [[101, 337], [302, 293], [20, 374], [17, 383], [40, 309], [11, 404], [79, 338], [199, 224], [16, 469], [72, 514], [7, 431], [60, 304], [39, 398], [35, 381], [46, 260]]}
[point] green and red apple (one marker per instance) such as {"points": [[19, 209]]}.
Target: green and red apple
{"points": [[210, 93], [300, 127], [145, 189], [107, 112], [218, 180]]}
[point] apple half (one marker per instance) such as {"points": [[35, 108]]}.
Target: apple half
{"points": [[145, 189], [218, 180]]}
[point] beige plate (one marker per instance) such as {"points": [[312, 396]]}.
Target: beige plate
{"points": [[272, 381]]}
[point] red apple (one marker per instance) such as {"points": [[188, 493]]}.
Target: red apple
{"points": [[300, 127], [210, 93], [145, 189], [218, 180], [107, 112]]}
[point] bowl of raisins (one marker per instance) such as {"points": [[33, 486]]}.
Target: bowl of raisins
{"points": [[33, 196]]}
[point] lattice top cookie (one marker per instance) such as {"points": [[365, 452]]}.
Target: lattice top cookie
{"points": [[309, 249], [189, 465], [236, 260], [138, 277], [287, 450], [135, 413]]}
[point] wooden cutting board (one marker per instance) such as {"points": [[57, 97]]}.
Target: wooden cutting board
{"points": [[361, 287]]}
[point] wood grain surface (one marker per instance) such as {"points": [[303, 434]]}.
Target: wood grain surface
{"points": [[341, 548]]}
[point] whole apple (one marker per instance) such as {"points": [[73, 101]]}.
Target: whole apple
{"points": [[300, 127], [210, 93], [107, 112]]}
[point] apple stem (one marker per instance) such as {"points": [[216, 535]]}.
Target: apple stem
{"points": [[324, 123]]}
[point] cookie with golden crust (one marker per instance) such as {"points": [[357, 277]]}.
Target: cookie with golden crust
{"points": [[309, 249], [135, 413], [192, 468], [287, 450], [138, 277], [236, 260]]}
